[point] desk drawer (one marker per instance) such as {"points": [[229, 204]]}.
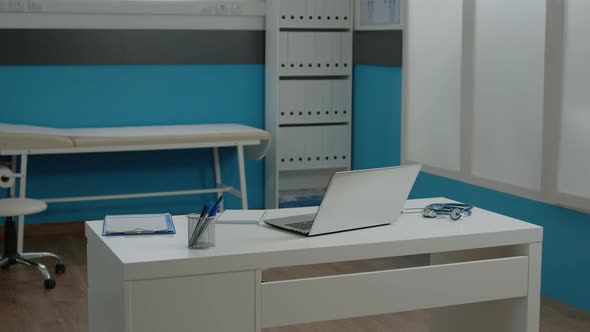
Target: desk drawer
{"points": [[363, 294]]}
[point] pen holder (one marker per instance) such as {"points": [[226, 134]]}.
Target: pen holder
{"points": [[201, 232]]}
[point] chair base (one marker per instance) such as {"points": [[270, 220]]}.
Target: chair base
{"points": [[11, 256]]}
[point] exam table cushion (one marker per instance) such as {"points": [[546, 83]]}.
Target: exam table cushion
{"points": [[17, 137], [14, 137]]}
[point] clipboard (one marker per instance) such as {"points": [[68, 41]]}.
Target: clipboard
{"points": [[138, 224]]}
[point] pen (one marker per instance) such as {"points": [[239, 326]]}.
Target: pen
{"points": [[216, 207], [204, 210], [202, 216]]}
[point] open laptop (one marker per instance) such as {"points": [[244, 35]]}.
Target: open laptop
{"points": [[354, 200]]}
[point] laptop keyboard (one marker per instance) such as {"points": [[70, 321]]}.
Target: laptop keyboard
{"points": [[300, 223], [304, 225]]}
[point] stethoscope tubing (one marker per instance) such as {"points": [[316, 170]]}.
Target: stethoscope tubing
{"points": [[454, 210]]}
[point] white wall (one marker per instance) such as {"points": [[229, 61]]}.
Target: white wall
{"points": [[136, 14], [574, 161], [509, 74], [433, 85]]}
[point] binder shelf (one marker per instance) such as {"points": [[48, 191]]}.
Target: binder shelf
{"points": [[313, 147], [308, 53], [332, 14], [308, 93], [314, 101]]}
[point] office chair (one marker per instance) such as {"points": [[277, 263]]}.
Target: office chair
{"points": [[10, 208]]}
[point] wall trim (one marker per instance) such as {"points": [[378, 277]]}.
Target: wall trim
{"points": [[383, 48], [168, 46], [119, 47]]}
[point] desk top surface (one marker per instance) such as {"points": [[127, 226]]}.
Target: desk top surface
{"points": [[248, 247]]}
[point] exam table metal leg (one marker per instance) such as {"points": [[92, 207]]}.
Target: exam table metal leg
{"points": [[243, 188], [22, 194], [13, 161], [217, 168]]}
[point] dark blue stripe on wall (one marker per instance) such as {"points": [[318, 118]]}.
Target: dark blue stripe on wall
{"points": [[119, 47], [95, 96], [377, 119]]}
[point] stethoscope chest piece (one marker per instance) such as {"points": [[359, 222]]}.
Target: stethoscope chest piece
{"points": [[455, 214]]}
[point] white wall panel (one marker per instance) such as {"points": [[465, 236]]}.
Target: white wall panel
{"points": [[508, 92], [433, 99], [574, 163]]}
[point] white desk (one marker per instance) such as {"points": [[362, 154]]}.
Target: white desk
{"points": [[484, 275]]}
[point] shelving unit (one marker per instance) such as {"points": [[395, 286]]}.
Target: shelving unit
{"points": [[308, 94]]}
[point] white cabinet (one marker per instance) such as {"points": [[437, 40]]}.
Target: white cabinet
{"points": [[308, 93]]}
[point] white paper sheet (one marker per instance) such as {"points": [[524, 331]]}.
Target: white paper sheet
{"points": [[241, 217], [140, 223]]}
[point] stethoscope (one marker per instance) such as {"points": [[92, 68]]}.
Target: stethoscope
{"points": [[454, 210]]}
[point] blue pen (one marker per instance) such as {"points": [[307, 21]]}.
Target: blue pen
{"points": [[206, 210], [216, 207]]}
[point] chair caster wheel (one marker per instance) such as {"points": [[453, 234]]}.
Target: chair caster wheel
{"points": [[60, 268], [49, 283]]}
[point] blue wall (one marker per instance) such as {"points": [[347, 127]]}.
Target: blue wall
{"points": [[95, 96], [376, 116], [92, 96], [566, 248]]}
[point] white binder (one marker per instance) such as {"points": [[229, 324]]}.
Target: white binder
{"points": [[326, 101], [315, 9], [286, 101], [292, 13], [311, 100], [341, 11], [324, 52], [341, 100], [283, 53], [336, 50], [299, 52], [346, 52], [300, 100]]}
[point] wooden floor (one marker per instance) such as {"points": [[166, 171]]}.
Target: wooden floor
{"points": [[25, 306]]}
